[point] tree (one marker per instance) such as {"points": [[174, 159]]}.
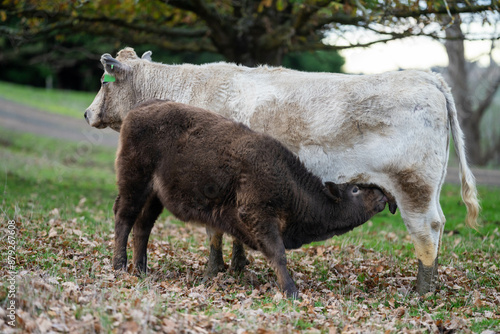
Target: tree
{"points": [[243, 31], [473, 90]]}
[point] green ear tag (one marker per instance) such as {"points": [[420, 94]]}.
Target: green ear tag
{"points": [[108, 78], [112, 66]]}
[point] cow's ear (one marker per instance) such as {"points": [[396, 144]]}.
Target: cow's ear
{"points": [[113, 67], [147, 56]]}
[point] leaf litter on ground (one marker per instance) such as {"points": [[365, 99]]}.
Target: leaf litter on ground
{"points": [[66, 284]]}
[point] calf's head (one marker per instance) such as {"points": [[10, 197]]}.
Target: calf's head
{"points": [[117, 94], [358, 201]]}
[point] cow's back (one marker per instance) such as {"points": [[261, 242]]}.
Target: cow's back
{"points": [[341, 125]]}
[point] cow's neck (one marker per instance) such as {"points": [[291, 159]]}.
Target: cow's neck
{"points": [[190, 84]]}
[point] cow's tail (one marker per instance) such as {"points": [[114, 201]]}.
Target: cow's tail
{"points": [[469, 191]]}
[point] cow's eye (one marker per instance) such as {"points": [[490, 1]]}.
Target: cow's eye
{"points": [[355, 190]]}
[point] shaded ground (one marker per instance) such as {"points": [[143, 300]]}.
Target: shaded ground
{"points": [[26, 119]]}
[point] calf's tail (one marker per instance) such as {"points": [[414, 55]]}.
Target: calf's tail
{"points": [[469, 191]]}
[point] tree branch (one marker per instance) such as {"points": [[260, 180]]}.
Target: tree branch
{"points": [[317, 46], [344, 19], [304, 15], [149, 28], [212, 18]]}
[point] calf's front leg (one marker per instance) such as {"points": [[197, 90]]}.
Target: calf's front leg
{"points": [[215, 263], [264, 230], [271, 245]]}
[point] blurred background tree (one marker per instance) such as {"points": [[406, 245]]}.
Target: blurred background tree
{"points": [[56, 43], [50, 37]]}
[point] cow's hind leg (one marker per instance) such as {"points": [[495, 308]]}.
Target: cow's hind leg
{"points": [[426, 229], [142, 229], [427, 275], [215, 262]]}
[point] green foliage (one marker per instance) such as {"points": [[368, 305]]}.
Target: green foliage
{"points": [[316, 61]]}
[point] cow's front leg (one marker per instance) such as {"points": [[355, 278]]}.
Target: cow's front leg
{"points": [[238, 258], [215, 262]]}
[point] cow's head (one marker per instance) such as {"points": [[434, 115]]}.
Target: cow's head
{"points": [[117, 94]]}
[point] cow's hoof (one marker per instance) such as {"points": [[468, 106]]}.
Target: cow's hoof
{"points": [[426, 278]]}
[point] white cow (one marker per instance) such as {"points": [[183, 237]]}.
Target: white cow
{"points": [[390, 130]]}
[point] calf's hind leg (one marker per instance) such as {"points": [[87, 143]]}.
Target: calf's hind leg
{"points": [[238, 258], [142, 229], [215, 262]]}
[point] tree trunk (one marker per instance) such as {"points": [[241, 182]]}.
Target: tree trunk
{"points": [[457, 72]]}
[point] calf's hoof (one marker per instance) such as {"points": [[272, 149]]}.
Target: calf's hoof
{"points": [[140, 267], [119, 264], [426, 278], [238, 262], [214, 266], [211, 272], [292, 292], [139, 272]]}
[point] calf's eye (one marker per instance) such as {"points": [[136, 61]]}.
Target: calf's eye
{"points": [[355, 190]]}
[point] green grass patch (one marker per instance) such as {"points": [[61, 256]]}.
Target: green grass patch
{"points": [[63, 102]]}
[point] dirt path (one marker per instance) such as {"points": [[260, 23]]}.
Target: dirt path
{"points": [[20, 118], [16, 117]]}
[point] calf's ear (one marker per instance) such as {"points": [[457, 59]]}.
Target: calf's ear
{"points": [[333, 190], [114, 67]]}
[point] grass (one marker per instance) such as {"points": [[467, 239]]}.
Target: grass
{"points": [[63, 102], [362, 281]]}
